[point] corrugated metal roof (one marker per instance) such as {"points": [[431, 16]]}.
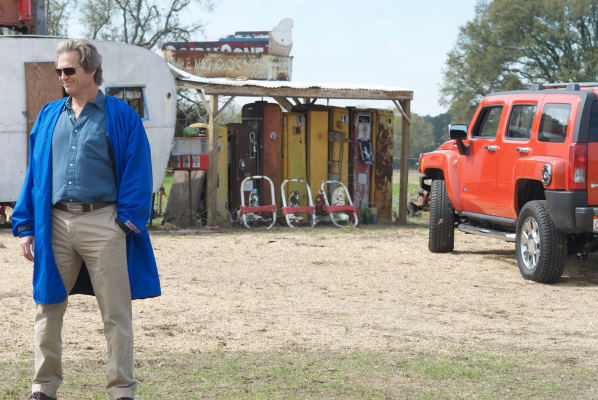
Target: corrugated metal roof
{"points": [[184, 76]]}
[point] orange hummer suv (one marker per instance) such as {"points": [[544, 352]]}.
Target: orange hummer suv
{"points": [[525, 170]]}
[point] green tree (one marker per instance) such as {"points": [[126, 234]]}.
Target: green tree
{"points": [[425, 134], [148, 23], [421, 138], [511, 44], [440, 124], [145, 23], [59, 12]]}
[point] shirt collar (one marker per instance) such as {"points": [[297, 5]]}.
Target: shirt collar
{"points": [[99, 102]]}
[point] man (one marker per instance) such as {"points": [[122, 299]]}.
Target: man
{"points": [[82, 213]]}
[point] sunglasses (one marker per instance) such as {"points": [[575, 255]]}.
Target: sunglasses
{"points": [[67, 71]]}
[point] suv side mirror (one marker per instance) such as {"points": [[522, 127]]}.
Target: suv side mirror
{"points": [[458, 132]]}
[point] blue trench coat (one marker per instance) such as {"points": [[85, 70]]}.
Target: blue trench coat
{"points": [[133, 170]]}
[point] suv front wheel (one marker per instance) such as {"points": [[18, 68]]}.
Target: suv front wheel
{"points": [[441, 235], [541, 248]]}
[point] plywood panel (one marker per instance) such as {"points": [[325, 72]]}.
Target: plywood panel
{"points": [[42, 87]]}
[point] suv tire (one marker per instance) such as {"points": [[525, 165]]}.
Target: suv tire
{"points": [[441, 237], [541, 248]]}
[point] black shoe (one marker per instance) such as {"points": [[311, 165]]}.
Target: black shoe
{"points": [[40, 396]]}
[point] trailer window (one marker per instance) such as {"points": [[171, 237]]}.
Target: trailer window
{"points": [[554, 123], [133, 95]]}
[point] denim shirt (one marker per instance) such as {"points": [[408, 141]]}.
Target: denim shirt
{"points": [[81, 164]]}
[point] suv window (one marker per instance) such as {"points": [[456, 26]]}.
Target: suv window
{"points": [[487, 123], [554, 123], [520, 121]]}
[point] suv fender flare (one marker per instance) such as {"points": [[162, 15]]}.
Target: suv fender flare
{"points": [[447, 163]]}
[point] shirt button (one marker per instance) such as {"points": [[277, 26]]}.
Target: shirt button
{"points": [[76, 130], [74, 147], [71, 164], [70, 182]]}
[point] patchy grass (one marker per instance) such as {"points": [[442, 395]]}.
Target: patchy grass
{"points": [[410, 188], [166, 184], [412, 182], [451, 374]]}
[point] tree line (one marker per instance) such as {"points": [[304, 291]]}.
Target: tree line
{"points": [[508, 45]]}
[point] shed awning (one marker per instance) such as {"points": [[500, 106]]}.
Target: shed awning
{"points": [[301, 93], [257, 88]]}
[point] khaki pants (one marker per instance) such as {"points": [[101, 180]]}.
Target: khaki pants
{"points": [[95, 238]]}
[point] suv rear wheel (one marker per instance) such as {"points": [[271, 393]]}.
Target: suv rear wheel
{"points": [[441, 237], [541, 248]]}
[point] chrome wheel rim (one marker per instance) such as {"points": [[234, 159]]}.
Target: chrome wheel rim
{"points": [[530, 243]]}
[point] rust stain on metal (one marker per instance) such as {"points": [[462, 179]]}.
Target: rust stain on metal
{"points": [[231, 65]]}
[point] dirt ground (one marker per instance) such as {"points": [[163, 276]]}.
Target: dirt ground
{"points": [[324, 289]]}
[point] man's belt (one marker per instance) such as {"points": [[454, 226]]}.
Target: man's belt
{"points": [[77, 208]]}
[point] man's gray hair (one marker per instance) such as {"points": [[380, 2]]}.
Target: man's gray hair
{"points": [[89, 58]]}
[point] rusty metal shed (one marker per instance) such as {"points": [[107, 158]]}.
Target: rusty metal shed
{"points": [[288, 94]]}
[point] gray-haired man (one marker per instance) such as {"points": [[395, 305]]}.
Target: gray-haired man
{"points": [[85, 202]]}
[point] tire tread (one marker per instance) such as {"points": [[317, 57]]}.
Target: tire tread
{"points": [[441, 237], [551, 263]]}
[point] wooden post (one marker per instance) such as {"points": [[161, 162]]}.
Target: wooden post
{"points": [[404, 175], [212, 185]]}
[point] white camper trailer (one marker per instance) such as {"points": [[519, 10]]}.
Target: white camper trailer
{"points": [[28, 81]]}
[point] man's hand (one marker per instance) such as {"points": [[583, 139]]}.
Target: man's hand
{"points": [[26, 243]]}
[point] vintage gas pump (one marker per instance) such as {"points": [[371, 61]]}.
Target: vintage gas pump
{"points": [[316, 118], [338, 152], [381, 174], [243, 147], [266, 121], [361, 156], [293, 157]]}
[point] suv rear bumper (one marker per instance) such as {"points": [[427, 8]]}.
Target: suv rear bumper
{"points": [[569, 210]]}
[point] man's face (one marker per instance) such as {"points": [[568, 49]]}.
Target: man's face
{"points": [[78, 83]]}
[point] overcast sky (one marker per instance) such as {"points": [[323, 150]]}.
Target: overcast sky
{"points": [[385, 42]]}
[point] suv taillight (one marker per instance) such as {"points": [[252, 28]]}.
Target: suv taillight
{"points": [[578, 166]]}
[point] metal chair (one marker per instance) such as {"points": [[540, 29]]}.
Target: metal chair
{"points": [[289, 211], [254, 206], [339, 208]]}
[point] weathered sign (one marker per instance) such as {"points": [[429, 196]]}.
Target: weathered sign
{"points": [[231, 65], [278, 42], [230, 46]]}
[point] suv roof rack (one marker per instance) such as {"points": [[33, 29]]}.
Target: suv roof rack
{"points": [[564, 85]]}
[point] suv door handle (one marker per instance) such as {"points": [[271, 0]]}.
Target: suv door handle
{"points": [[491, 148], [523, 149]]}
